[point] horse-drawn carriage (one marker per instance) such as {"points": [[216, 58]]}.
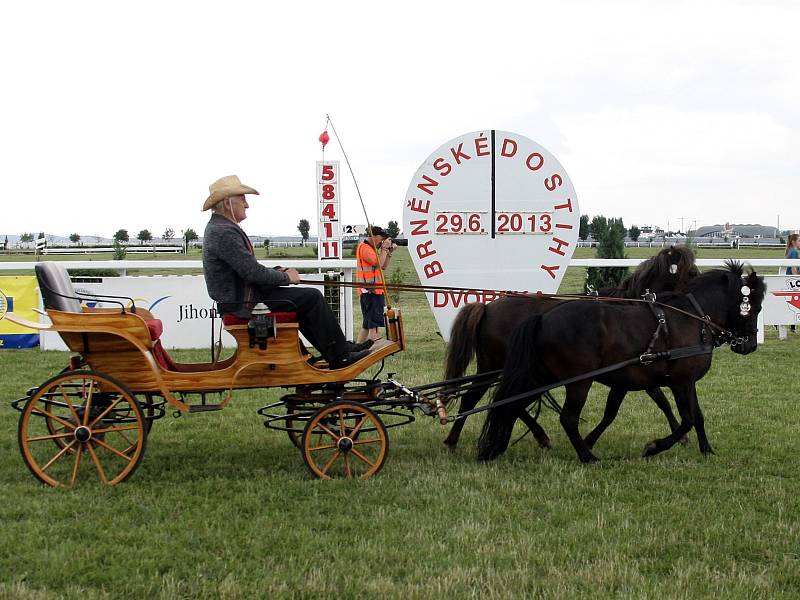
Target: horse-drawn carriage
{"points": [[101, 407]]}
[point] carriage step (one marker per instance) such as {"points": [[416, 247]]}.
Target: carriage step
{"points": [[204, 407]]}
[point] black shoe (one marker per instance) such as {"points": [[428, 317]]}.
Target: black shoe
{"points": [[356, 347], [347, 359]]}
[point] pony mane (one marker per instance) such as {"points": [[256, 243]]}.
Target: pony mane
{"points": [[654, 274]]}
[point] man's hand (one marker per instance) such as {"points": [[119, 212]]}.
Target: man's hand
{"points": [[294, 276]]}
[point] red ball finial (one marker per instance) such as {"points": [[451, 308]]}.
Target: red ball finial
{"points": [[324, 138]]}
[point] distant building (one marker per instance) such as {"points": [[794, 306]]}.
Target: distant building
{"points": [[728, 231]]}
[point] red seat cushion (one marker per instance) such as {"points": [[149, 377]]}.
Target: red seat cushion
{"points": [[162, 358], [155, 327], [280, 317]]}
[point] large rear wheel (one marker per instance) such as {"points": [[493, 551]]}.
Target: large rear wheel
{"points": [[345, 439], [82, 422]]}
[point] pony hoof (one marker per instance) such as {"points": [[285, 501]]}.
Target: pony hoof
{"points": [[450, 445], [545, 443], [649, 449], [590, 459], [684, 440], [708, 452]]}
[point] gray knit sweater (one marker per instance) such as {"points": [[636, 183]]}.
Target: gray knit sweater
{"points": [[231, 270]]}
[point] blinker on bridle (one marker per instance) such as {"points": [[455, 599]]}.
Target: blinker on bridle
{"points": [[744, 307]]}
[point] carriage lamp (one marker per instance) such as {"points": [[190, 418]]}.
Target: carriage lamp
{"points": [[744, 307], [261, 326]]}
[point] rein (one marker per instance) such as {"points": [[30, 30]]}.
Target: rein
{"points": [[721, 337]]}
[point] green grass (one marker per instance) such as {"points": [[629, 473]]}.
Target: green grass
{"points": [[222, 508]]}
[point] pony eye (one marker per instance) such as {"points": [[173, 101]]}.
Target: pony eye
{"points": [[745, 290]]}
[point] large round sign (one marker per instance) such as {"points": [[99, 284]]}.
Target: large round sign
{"points": [[489, 210]]}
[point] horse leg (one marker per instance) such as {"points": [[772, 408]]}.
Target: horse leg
{"points": [[613, 402], [684, 395], [468, 402], [541, 436], [699, 426], [661, 401], [570, 416]]}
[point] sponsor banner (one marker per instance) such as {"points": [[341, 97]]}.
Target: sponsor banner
{"points": [[782, 301], [18, 295], [180, 301]]}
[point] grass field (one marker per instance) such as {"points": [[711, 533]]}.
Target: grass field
{"points": [[222, 508]]}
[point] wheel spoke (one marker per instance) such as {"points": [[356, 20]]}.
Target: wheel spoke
{"points": [[63, 451], [329, 464], [347, 470], [356, 429], [112, 429], [106, 411], [97, 464], [325, 447], [362, 457], [100, 442], [77, 464], [88, 406], [341, 423], [69, 404], [369, 441], [43, 413], [328, 431], [55, 436]]}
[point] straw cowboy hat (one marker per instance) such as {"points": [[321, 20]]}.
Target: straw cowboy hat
{"points": [[226, 187]]}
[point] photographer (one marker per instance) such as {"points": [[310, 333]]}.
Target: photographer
{"points": [[370, 264]]}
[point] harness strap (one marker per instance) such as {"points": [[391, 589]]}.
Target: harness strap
{"points": [[674, 354]]}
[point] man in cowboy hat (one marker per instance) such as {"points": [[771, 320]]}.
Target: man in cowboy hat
{"points": [[237, 281]]}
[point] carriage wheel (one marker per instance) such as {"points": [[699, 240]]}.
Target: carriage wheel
{"points": [[81, 422], [345, 440]]}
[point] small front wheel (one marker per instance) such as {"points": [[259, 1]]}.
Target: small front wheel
{"points": [[80, 422], [345, 440]]}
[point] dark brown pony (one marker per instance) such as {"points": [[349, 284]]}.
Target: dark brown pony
{"points": [[484, 330], [552, 347]]}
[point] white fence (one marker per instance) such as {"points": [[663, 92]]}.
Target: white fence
{"points": [[781, 307]]}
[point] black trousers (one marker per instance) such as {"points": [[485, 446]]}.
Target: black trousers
{"points": [[317, 322]]}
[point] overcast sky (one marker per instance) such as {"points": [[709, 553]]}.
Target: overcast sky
{"points": [[119, 115]]}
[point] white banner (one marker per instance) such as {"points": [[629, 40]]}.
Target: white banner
{"points": [[782, 301], [180, 301]]}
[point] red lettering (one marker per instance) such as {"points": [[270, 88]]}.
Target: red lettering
{"points": [[489, 297], [551, 270], [442, 166], [457, 154], [540, 161], [424, 251], [561, 244], [553, 182], [419, 205], [433, 269], [460, 298], [560, 226], [567, 204], [430, 183], [439, 299], [419, 227], [456, 297], [506, 143], [479, 147]]}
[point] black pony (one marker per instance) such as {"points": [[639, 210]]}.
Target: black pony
{"points": [[584, 337], [484, 330]]}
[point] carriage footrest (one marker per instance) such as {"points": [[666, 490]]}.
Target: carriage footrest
{"points": [[204, 407]]}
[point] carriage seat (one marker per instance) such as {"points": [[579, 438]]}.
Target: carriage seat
{"points": [[59, 294], [56, 288]]}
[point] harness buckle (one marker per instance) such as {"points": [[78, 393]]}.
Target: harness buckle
{"points": [[649, 296], [648, 358]]}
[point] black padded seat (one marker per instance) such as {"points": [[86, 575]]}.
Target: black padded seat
{"points": [[56, 288]]}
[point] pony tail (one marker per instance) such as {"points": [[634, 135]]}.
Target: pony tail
{"points": [[463, 338], [517, 378]]}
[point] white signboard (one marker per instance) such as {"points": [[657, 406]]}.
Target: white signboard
{"points": [[489, 210], [329, 244], [782, 300], [180, 301]]}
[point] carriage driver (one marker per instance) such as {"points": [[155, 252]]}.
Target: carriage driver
{"points": [[237, 281]]}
